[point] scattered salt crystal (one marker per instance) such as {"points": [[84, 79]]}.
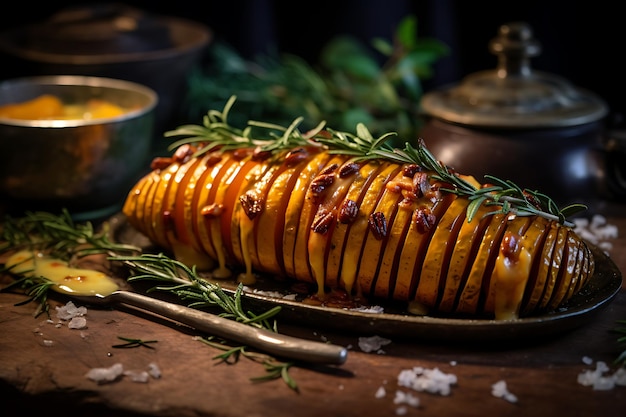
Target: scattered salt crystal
{"points": [[272, 294], [433, 381], [104, 375], [402, 411], [370, 309], [48, 343], [78, 322], [372, 344], [600, 379], [596, 230], [154, 370], [137, 376], [500, 390], [70, 310], [620, 377], [380, 392], [406, 398]]}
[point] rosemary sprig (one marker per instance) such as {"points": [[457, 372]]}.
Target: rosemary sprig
{"points": [[504, 195], [36, 289], [133, 343], [274, 369], [183, 281], [58, 235]]}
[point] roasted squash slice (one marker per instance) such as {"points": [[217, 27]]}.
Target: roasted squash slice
{"points": [[362, 218]]}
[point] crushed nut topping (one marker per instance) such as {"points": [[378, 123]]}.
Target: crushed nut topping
{"points": [[295, 156], [321, 183], [348, 169], [424, 219], [322, 221], [212, 210], [213, 159], [160, 163], [252, 205], [348, 211], [378, 225], [184, 153]]}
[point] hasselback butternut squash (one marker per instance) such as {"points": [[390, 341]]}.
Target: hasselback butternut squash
{"points": [[351, 213]]}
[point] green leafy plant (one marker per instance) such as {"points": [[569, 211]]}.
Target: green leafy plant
{"points": [[348, 85]]}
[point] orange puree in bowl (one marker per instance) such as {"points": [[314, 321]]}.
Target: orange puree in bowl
{"points": [[49, 107], [42, 107]]}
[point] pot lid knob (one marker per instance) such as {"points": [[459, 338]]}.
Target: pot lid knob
{"points": [[514, 96]]}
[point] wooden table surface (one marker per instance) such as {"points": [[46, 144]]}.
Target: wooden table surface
{"points": [[43, 368]]}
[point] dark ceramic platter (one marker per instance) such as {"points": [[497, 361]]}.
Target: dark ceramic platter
{"points": [[581, 309]]}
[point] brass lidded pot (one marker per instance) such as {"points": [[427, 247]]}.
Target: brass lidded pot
{"points": [[518, 124]]}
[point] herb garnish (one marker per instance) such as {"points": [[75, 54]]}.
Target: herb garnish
{"points": [[505, 196], [59, 236], [185, 282], [274, 369], [133, 343]]}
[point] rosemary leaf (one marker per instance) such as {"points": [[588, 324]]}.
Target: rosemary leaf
{"points": [[215, 134]]}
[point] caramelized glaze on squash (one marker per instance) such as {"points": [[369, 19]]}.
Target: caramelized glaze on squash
{"points": [[373, 228]]}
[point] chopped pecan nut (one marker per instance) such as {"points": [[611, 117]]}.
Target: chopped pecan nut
{"points": [[330, 169], [212, 210], [252, 205], [424, 219], [320, 183], [241, 153], [348, 211], [322, 221], [348, 169], [260, 155], [421, 184], [410, 170], [160, 162], [510, 246], [378, 225], [295, 156], [213, 159], [184, 153]]}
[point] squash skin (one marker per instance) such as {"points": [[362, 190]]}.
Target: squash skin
{"points": [[407, 240]]}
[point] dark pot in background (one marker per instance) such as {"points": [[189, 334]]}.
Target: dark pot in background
{"points": [[113, 41], [529, 127]]}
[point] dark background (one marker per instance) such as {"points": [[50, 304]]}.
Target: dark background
{"points": [[582, 41]]}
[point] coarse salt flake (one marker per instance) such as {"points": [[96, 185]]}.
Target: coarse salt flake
{"points": [[373, 344], [600, 378], [77, 323], [500, 390], [69, 311], [406, 398], [432, 381], [104, 375], [137, 376], [154, 370]]}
